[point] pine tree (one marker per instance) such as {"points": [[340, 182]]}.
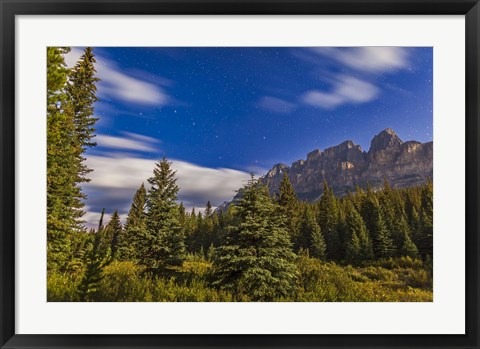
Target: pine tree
{"points": [[415, 225], [328, 216], [210, 253], [393, 208], [57, 74], [136, 215], [189, 229], [311, 235], [81, 90], [408, 248], [425, 240], [354, 250], [63, 195], [288, 201], [182, 215], [163, 244], [67, 139], [97, 258], [359, 247], [204, 234], [135, 227], [257, 259], [383, 246], [208, 209], [401, 228], [59, 127], [368, 208], [114, 232]]}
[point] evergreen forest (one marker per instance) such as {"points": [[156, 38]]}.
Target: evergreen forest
{"points": [[368, 246]]}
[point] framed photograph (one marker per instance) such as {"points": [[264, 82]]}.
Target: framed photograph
{"points": [[268, 174]]}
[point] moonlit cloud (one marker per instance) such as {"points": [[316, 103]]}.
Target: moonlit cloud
{"points": [[276, 105], [346, 90], [131, 141], [368, 59], [116, 84], [115, 180], [122, 143]]}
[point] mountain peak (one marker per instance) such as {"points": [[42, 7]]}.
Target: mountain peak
{"points": [[387, 139], [389, 131], [346, 166], [276, 170]]}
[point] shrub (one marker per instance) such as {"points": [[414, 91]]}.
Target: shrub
{"points": [[378, 274], [193, 270], [62, 288], [121, 282], [323, 282], [164, 290], [418, 279], [402, 262]]}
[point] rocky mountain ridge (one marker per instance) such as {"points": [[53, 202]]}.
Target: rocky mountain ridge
{"points": [[346, 165]]}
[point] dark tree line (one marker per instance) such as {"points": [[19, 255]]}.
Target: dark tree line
{"points": [[254, 244]]}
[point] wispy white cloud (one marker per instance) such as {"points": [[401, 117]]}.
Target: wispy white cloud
{"points": [[346, 90], [131, 141], [276, 105], [140, 137], [119, 85], [115, 180], [368, 59]]}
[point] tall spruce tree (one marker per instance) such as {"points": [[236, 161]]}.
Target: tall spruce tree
{"points": [[96, 258], [359, 247], [257, 259], [114, 232], [353, 251], [328, 218], [408, 248], [383, 246], [204, 234], [425, 239], [289, 204], [61, 191], [401, 229], [136, 215], [163, 244], [81, 92], [311, 235], [369, 207], [68, 136], [208, 209], [135, 227]]}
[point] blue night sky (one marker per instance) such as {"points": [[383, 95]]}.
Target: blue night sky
{"points": [[220, 113]]}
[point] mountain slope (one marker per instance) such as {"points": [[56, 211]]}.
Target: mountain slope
{"points": [[345, 166]]}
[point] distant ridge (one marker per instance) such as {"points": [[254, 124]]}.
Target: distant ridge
{"points": [[345, 166]]}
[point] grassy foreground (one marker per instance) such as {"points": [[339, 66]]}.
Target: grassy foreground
{"points": [[391, 280]]}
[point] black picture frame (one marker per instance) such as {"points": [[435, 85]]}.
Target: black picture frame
{"points": [[10, 8]]}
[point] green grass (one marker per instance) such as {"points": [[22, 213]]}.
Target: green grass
{"points": [[393, 280]]}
